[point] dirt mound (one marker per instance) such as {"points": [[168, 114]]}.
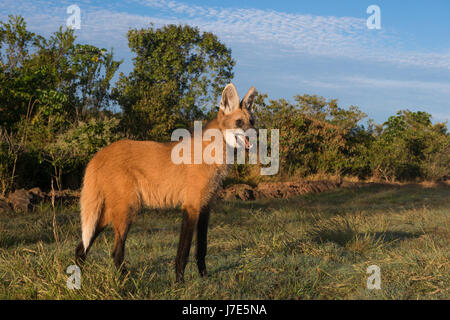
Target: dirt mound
{"points": [[22, 200], [275, 190], [237, 192], [27, 200]]}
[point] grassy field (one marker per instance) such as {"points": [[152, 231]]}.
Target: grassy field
{"points": [[316, 246]]}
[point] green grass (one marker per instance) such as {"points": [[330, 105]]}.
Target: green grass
{"points": [[316, 246]]}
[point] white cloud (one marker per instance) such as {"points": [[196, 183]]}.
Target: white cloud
{"points": [[336, 37], [393, 84], [347, 82], [344, 37]]}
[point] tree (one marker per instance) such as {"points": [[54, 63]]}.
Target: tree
{"points": [[55, 77], [94, 68], [408, 147], [316, 135], [47, 86], [16, 40], [178, 73]]}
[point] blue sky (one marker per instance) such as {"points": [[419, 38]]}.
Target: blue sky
{"points": [[292, 47]]}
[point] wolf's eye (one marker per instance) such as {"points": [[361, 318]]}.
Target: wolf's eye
{"points": [[239, 123]]}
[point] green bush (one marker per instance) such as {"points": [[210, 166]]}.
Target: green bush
{"points": [[410, 147], [316, 136], [8, 151], [73, 148]]}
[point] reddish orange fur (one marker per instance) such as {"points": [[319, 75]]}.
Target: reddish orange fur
{"points": [[126, 175]]}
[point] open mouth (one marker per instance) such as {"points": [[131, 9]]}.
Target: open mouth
{"points": [[247, 143], [244, 141]]}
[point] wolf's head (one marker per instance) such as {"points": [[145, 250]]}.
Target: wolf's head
{"points": [[235, 116]]}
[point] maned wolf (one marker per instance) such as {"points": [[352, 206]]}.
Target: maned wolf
{"points": [[129, 174]]}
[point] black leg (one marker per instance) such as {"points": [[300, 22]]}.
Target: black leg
{"points": [[119, 249], [202, 240], [80, 253], [190, 218], [118, 252]]}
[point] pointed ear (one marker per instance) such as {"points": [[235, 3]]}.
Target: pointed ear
{"points": [[247, 102], [230, 99]]}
